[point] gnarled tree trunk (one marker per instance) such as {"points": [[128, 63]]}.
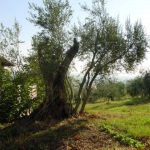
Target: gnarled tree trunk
{"points": [[56, 104]]}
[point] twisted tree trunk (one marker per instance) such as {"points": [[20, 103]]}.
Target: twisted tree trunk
{"points": [[56, 105]]}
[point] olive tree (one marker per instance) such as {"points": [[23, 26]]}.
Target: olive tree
{"points": [[51, 45], [104, 46], [107, 47]]}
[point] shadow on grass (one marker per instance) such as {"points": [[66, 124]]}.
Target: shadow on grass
{"points": [[39, 137]]}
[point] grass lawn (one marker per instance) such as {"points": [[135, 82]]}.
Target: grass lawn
{"points": [[119, 125], [1, 126], [128, 116]]}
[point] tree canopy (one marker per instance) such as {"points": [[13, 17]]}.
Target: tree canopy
{"points": [[107, 47]]}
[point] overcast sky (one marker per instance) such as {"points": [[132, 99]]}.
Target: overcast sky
{"points": [[136, 9]]}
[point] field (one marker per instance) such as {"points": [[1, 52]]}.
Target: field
{"points": [[128, 120], [129, 116], [118, 125]]}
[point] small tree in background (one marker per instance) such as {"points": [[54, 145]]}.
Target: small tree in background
{"points": [[135, 87], [109, 89], [146, 83]]}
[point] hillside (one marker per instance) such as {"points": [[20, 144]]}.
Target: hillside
{"points": [[119, 125]]}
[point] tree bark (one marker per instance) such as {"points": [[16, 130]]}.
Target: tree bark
{"points": [[88, 92], [79, 98], [56, 104]]}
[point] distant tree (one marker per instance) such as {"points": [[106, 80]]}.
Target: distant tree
{"points": [[106, 47], [135, 87], [109, 89], [146, 82], [140, 86]]}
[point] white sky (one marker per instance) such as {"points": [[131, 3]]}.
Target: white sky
{"points": [[135, 9]]}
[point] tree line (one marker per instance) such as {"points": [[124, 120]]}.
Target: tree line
{"points": [[140, 86]]}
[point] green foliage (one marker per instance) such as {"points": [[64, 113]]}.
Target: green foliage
{"points": [[52, 19], [122, 138], [109, 89], [15, 97], [34, 79], [131, 119], [107, 46], [49, 45], [6, 95], [135, 87], [136, 43], [146, 82], [139, 86], [103, 37], [15, 88]]}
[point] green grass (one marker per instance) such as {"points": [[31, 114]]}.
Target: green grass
{"points": [[123, 138], [1, 126], [126, 121], [127, 116]]}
